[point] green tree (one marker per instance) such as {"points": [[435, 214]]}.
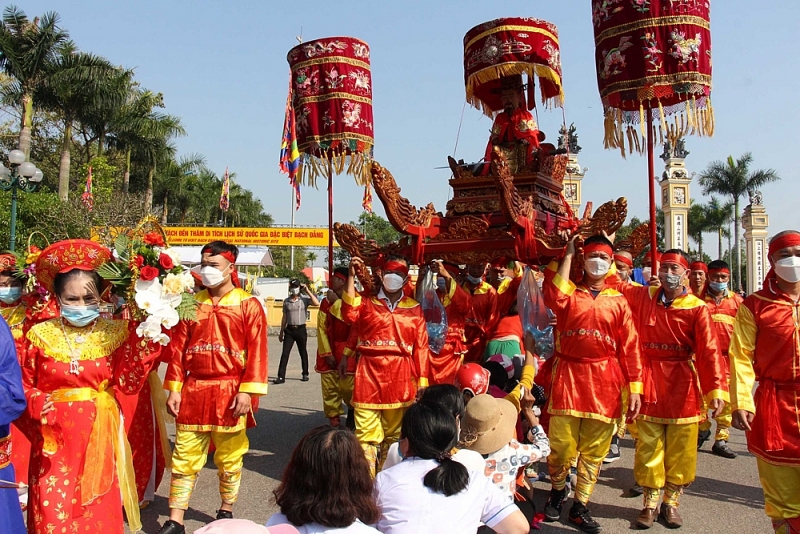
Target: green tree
{"points": [[719, 217], [698, 224], [27, 51], [311, 257], [733, 179], [173, 182], [77, 81], [374, 227]]}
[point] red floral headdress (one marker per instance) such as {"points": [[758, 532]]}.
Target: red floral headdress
{"points": [[67, 255]]}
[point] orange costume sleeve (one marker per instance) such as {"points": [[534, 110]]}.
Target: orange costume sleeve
{"points": [[393, 351], [597, 349], [222, 353]]}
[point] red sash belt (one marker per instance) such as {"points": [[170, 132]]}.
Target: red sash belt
{"points": [[669, 358], [769, 410], [575, 359]]}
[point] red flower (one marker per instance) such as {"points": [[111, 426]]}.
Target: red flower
{"points": [[139, 260], [166, 262], [148, 273], [153, 239]]}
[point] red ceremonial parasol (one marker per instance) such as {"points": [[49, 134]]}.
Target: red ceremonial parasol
{"points": [[653, 63], [332, 86], [511, 47]]}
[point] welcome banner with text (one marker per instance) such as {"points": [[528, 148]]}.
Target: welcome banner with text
{"points": [[273, 236]]}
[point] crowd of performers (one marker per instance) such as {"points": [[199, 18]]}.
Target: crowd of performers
{"points": [[83, 412]]}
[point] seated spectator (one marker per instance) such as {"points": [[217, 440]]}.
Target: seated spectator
{"points": [[327, 487], [429, 492], [489, 428], [448, 397], [243, 526]]}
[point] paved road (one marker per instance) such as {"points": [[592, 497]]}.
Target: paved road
{"points": [[725, 499]]}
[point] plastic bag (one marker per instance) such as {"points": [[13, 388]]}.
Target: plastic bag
{"points": [[534, 315], [434, 313]]}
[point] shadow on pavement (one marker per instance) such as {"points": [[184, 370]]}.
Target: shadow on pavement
{"points": [[160, 509]]}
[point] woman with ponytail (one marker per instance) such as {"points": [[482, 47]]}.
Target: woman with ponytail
{"points": [[430, 492]]}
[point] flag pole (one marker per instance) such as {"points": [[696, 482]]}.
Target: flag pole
{"points": [[293, 210], [330, 221], [651, 175]]}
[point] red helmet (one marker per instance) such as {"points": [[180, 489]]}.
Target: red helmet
{"points": [[473, 378]]}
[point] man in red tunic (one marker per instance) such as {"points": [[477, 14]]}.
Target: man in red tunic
{"points": [[598, 356], [683, 370], [698, 278], [482, 312], [723, 304], [388, 331], [217, 369], [332, 336], [765, 348], [457, 306]]}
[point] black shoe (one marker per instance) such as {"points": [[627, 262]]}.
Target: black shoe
{"points": [[636, 489], [721, 448], [172, 527], [279, 380], [702, 437], [580, 517], [554, 505], [224, 514], [305, 378]]}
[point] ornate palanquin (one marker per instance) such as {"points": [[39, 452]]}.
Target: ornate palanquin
{"points": [[517, 209]]}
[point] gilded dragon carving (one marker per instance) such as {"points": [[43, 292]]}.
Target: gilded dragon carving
{"points": [[609, 218], [400, 212], [637, 241], [512, 204]]}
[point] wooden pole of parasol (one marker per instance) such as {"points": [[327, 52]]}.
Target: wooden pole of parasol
{"points": [[651, 175], [330, 222]]}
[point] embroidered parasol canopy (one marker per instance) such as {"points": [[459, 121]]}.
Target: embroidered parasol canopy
{"points": [[332, 86], [509, 47], [656, 56]]}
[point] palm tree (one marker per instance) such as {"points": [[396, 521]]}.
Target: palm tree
{"points": [[718, 216], [698, 225], [27, 50], [75, 83], [311, 257], [733, 179], [137, 125], [173, 181]]}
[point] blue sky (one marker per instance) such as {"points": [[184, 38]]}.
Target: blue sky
{"points": [[222, 68]]}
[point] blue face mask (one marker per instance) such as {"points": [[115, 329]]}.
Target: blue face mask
{"points": [[474, 280], [10, 295], [80, 316], [441, 283], [718, 287]]}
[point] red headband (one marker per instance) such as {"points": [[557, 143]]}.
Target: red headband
{"points": [[228, 256], [397, 267], [598, 247], [782, 242], [699, 266], [624, 259], [675, 258], [340, 276], [721, 270]]}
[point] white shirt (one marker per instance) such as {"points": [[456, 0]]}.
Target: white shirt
{"points": [[408, 507], [315, 528], [472, 460], [382, 296]]}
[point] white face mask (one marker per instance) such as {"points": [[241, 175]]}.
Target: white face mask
{"points": [[294, 290], [596, 266], [788, 269], [671, 281], [393, 282], [211, 276], [647, 273]]}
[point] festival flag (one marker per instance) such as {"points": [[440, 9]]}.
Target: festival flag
{"points": [[290, 155], [366, 202], [224, 198], [88, 192]]}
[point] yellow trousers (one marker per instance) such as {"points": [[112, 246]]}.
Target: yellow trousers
{"points": [[781, 485], [665, 454], [335, 391], [376, 430], [589, 440], [189, 457], [723, 423]]}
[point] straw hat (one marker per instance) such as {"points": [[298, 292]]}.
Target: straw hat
{"points": [[489, 424]]}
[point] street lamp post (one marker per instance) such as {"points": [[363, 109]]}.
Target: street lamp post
{"points": [[22, 175]]}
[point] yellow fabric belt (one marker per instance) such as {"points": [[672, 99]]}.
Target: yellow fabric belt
{"points": [[108, 449]]}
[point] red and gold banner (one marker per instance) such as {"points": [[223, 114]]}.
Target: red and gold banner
{"points": [[332, 86], [507, 47], [655, 57]]}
